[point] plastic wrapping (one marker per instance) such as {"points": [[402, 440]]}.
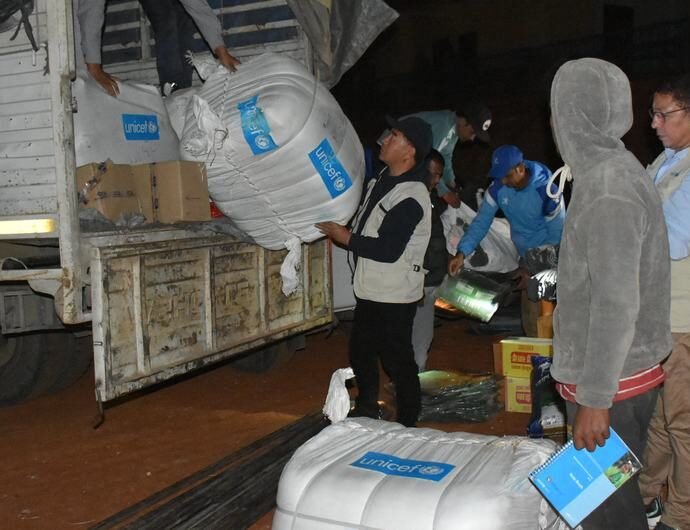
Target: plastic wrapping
{"points": [[280, 153], [499, 252], [542, 286], [337, 403], [457, 397], [132, 128], [540, 258], [472, 293], [370, 474], [548, 409], [340, 31]]}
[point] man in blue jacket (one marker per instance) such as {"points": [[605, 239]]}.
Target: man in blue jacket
{"points": [[519, 190]]}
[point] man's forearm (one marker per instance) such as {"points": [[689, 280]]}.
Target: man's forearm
{"points": [[91, 15]]}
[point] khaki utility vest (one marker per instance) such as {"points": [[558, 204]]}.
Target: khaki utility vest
{"points": [[402, 281]]}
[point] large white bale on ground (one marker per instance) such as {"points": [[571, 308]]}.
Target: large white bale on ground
{"points": [[281, 154], [371, 474]]}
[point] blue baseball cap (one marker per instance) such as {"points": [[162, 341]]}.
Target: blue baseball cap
{"points": [[503, 160]]}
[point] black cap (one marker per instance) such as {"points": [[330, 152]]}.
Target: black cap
{"points": [[418, 133], [479, 117]]}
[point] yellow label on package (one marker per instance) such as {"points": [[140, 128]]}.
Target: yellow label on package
{"points": [[518, 395], [517, 353]]}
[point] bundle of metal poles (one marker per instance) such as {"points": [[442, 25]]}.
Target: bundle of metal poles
{"points": [[231, 494]]}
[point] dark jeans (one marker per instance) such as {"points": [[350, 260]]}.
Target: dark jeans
{"points": [[625, 508], [384, 331], [174, 32]]}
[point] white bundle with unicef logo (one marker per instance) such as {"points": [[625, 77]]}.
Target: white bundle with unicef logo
{"points": [[371, 474], [280, 153], [132, 128]]}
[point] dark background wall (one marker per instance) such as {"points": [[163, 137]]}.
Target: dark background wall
{"points": [[440, 53]]}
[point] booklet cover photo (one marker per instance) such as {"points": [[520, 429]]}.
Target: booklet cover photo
{"points": [[575, 481]]}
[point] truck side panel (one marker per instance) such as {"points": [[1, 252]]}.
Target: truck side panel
{"points": [[166, 308], [27, 162]]}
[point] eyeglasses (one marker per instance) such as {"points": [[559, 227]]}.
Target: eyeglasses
{"points": [[662, 116]]}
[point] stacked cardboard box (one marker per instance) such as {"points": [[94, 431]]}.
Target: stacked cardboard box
{"points": [[513, 359], [162, 192]]}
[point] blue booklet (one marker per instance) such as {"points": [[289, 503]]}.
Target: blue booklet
{"points": [[576, 482]]}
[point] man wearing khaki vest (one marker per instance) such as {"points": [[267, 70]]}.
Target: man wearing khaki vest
{"points": [[667, 455], [389, 237]]}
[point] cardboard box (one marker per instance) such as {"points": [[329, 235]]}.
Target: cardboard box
{"points": [[180, 191], [163, 192], [518, 394], [114, 190], [517, 352]]}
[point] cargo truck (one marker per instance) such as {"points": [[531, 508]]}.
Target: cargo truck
{"points": [[150, 303]]}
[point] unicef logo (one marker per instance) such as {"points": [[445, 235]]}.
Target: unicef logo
{"points": [[431, 470], [262, 142], [339, 184]]}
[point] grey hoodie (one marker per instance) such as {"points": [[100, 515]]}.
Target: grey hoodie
{"points": [[612, 318]]}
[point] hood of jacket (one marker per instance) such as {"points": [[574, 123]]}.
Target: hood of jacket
{"points": [[591, 110]]}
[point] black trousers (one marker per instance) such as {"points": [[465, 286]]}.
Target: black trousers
{"points": [[625, 508], [174, 33], [383, 332]]}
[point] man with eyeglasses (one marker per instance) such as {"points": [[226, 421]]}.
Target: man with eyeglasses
{"points": [[667, 455]]}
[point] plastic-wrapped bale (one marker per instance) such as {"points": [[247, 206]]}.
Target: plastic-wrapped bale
{"points": [[371, 474], [456, 396], [132, 128], [281, 154]]}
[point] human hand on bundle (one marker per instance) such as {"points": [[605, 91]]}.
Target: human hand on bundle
{"points": [[338, 233], [229, 61], [103, 78]]}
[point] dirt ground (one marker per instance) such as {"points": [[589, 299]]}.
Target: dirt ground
{"points": [[60, 473]]}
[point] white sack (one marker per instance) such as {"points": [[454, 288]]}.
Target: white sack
{"points": [[503, 256], [132, 128], [461, 481], [280, 153], [176, 105], [337, 403]]}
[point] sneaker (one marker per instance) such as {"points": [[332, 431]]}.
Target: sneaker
{"points": [[654, 510]]}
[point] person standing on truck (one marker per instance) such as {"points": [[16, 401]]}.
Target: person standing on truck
{"points": [[389, 237], [174, 33]]}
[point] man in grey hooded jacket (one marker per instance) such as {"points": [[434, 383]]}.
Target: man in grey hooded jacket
{"points": [[611, 325]]}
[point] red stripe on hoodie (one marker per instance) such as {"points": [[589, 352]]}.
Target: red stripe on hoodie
{"points": [[628, 387]]}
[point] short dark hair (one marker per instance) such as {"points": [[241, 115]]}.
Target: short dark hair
{"points": [[677, 87], [435, 155]]}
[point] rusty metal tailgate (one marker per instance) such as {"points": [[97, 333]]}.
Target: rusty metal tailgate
{"points": [[164, 304]]}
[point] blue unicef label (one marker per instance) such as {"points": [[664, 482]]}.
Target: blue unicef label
{"points": [[331, 170], [402, 467], [256, 131], [141, 127]]}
